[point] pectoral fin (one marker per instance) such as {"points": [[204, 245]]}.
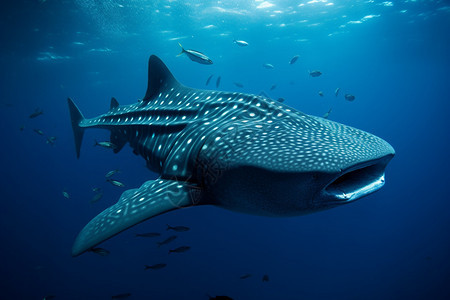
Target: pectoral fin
{"points": [[153, 198]]}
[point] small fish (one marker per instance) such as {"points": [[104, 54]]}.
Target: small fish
{"points": [[155, 267], [66, 195], [240, 43], [148, 234], [238, 84], [336, 91], [209, 79], [294, 59], [245, 276], [49, 297], [268, 66], [100, 251], [96, 197], [320, 93], [281, 99], [115, 182], [265, 277], [166, 241], [180, 249], [36, 113], [219, 298], [51, 140], [107, 145], [96, 189], [349, 97], [196, 56], [327, 114], [273, 87], [177, 228], [315, 73], [38, 131], [218, 82], [121, 296], [111, 173]]}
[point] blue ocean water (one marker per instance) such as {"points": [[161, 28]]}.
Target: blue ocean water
{"points": [[392, 55]]}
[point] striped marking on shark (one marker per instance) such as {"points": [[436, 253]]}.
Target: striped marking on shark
{"points": [[242, 152]]}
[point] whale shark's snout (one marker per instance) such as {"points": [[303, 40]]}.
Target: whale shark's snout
{"points": [[355, 182], [361, 173], [297, 165]]}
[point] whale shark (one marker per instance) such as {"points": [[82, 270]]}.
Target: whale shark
{"points": [[241, 152]]}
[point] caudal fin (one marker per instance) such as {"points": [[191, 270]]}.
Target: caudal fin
{"points": [[182, 50], [76, 117]]}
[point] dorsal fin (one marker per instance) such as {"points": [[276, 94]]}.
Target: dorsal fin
{"points": [[159, 78], [114, 103]]}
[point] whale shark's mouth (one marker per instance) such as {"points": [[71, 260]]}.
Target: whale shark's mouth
{"points": [[357, 181]]}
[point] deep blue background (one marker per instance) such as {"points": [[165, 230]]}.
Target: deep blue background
{"points": [[393, 244]]}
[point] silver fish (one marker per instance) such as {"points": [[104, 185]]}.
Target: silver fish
{"points": [[336, 91], [168, 240], [218, 82], [349, 97], [38, 131], [315, 73], [294, 59], [268, 66], [107, 145], [111, 173], [240, 43], [209, 79], [195, 56], [51, 140], [327, 114], [36, 113], [115, 182]]}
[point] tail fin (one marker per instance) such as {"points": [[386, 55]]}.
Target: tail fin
{"points": [[182, 50], [76, 117], [168, 227]]}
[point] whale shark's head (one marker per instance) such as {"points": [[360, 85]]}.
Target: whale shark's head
{"points": [[290, 163]]}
